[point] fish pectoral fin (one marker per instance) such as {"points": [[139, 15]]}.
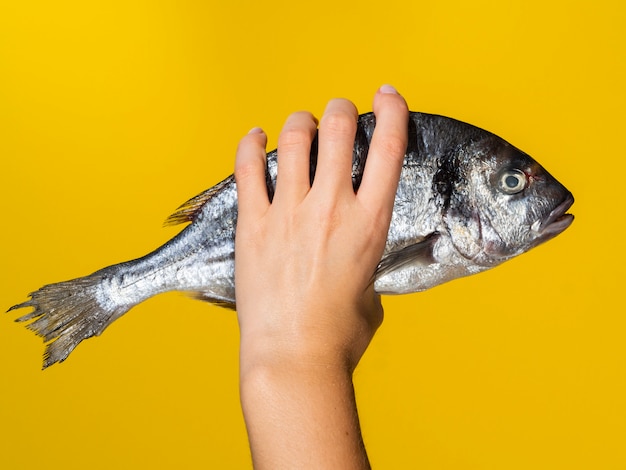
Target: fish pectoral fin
{"points": [[420, 252], [215, 300]]}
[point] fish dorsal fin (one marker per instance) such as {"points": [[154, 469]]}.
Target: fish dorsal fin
{"points": [[420, 252], [188, 211]]}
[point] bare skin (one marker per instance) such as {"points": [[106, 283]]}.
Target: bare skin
{"points": [[306, 305]]}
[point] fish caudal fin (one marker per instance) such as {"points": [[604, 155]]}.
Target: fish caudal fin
{"points": [[68, 312]]}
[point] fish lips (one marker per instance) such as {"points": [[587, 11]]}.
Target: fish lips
{"points": [[556, 222]]}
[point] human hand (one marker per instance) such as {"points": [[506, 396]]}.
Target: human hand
{"points": [[304, 271], [305, 263]]}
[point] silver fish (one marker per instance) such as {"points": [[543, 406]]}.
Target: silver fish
{"points": [[467, 201]]}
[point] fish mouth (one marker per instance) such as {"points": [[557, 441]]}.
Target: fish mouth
{"points": [[556, 222]]}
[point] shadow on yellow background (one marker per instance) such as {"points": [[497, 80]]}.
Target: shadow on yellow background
{"points": [[112, 113]]}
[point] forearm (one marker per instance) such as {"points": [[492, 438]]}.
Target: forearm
{"points": [[301, 415], [305, 300]]}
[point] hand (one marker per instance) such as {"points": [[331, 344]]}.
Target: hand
{"points": [[304, 271]]}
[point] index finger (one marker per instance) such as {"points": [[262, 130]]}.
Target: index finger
{"points": [[386, 152]]}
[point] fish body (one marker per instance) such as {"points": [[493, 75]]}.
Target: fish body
{"points": [[466, 201]]}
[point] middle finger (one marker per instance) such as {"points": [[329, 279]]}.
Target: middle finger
{"points": [[336, 142]]}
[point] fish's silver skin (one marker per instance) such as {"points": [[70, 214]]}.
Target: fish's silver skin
{"points": [[454, 215]]}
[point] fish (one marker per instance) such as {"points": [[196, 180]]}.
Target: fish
{"points": [[466, 201]]}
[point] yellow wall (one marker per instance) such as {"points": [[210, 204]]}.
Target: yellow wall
{"points": [[114, 112]]}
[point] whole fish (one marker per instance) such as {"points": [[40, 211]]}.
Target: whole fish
{"points": [[467, 201]]}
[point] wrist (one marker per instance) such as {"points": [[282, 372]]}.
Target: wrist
{"points": [[336, 339], [274, 356]]}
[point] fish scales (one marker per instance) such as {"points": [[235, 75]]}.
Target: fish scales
{"points": [[466, 201]]}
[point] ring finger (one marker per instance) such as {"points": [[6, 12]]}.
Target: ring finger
{"points": [[294, 152]]}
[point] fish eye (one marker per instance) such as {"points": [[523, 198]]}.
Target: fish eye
{"points": [[512, 181]]}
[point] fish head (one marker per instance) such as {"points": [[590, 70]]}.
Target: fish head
{"points": [[503, 203]]}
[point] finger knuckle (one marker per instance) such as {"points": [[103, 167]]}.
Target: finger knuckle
{"points": [[339, 122], [294, 138], [243, 172], [329, 216], [247, 168]]}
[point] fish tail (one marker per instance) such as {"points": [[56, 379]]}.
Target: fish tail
{"points": [[68, 312]]}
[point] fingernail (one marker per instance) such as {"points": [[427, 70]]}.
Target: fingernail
{"points": [[255, 130], [388, 89]]}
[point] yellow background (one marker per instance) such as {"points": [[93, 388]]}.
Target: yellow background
{"points": [[114, 112]]}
